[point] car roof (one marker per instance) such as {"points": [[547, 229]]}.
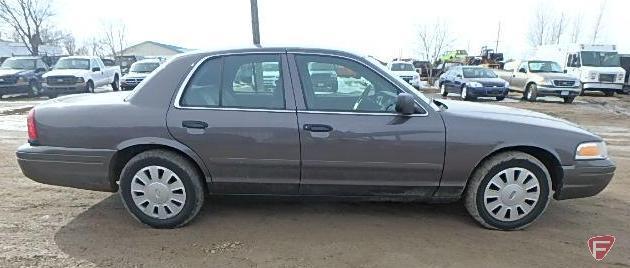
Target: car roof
{"points": [[148, 61], [79, 57], [26, 57], [399, 61], [276, 49]]}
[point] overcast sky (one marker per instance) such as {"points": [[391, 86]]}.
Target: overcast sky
{"points": [[385, 29]]}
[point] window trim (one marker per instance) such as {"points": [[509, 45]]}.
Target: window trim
{"points": [[197, 64], [306, 110]]}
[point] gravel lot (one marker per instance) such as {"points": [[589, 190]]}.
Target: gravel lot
{"points": [[60, 227]]}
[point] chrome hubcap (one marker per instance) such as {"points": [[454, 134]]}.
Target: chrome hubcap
{"points": [[442, 89], [464, 92], [511, 194], [158, 192]]}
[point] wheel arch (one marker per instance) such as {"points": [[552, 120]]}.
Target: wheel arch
{"points": [[127, 150], [549, 158]]}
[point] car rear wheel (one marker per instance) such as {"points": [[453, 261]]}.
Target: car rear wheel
{"points": [[500, 98], [443, 91], [508, 191], [161, 189], [33, 90]]}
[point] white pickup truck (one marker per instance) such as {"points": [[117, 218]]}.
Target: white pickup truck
{"points": [[79, 74]]}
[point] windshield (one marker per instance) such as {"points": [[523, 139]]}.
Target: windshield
{"points": [[478, 73], [402, 67], [544, 67], [600, 59], [144, 67], [83, 64], [22, 64]]}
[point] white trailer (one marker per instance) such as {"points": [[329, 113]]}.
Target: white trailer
{"points": [[596, 66]]}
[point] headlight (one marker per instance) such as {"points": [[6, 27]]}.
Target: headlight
{"points": [[591, 150], [592, 75], [620, 76], [507, 84], [475, 84], [80, 80], [22, 79]]}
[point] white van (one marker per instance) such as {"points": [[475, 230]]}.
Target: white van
{"points": [[596, 66]]}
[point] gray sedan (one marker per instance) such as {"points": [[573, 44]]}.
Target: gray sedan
{"points": [[255, 122]]}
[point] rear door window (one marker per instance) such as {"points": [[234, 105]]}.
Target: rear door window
{"points": [[240, 81]]}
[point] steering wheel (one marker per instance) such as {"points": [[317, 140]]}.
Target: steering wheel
{"points": [[362, 97]]}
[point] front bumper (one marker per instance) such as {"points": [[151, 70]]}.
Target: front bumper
{"points": [[602, 86], [14, 88], [59, 89], [558, 91], [71, 167], [488, 91], [585, 178]]}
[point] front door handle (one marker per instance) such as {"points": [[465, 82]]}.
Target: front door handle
{"points": [[317, 128], [194, 124]]}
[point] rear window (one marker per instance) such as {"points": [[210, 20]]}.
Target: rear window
{"points": [[402, 67]]}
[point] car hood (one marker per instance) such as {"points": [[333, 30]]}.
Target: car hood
{"points": [[66, 72], [558, 76], [136, 75], [4, 72], [509, 114], [486, 80]]}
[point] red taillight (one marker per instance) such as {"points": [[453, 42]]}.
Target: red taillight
{"points": [[32, 126]]}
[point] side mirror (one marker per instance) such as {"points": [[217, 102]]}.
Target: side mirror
{"points": [[96, 69], [522, 70], [405, 104], [459, 76]]}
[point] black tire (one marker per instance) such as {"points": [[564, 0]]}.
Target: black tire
{"points": [[116, 84], [531, 93], [474, 196], [51, 95], [33, 90], [609, 93], [186, 171], [500, 98], [89, 87], [568, 99], [443, 90]]}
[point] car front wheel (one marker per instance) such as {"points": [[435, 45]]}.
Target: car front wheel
{"points": [[508, 191], [161, 189], [443, 91]]}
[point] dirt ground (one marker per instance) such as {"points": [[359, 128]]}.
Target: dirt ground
{"points": [[52, 226]]}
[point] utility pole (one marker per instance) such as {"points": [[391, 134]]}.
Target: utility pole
{"points": [[255, 30], [496, 48]]}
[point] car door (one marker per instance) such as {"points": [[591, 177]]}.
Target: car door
{"points": [[447, 80], [354, 143], [520, 77], [458, 79], [232, 112]]}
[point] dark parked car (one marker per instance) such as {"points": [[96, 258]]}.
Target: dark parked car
{"points": [[198, 127], [472, 82], [20, 75]]}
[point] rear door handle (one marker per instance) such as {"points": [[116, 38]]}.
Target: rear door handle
{"points": [[317, 128], [194, 124]]}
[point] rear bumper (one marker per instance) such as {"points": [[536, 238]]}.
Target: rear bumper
{"points": [[71, 167], [13, 89], [585, 178]]}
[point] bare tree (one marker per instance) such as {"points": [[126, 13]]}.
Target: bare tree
{"points": [[434, 40], [557, 28], [69, 44], [539, 26], [576, 28], [115, 38], [28, 18], [598, 21], [82, 51]]}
